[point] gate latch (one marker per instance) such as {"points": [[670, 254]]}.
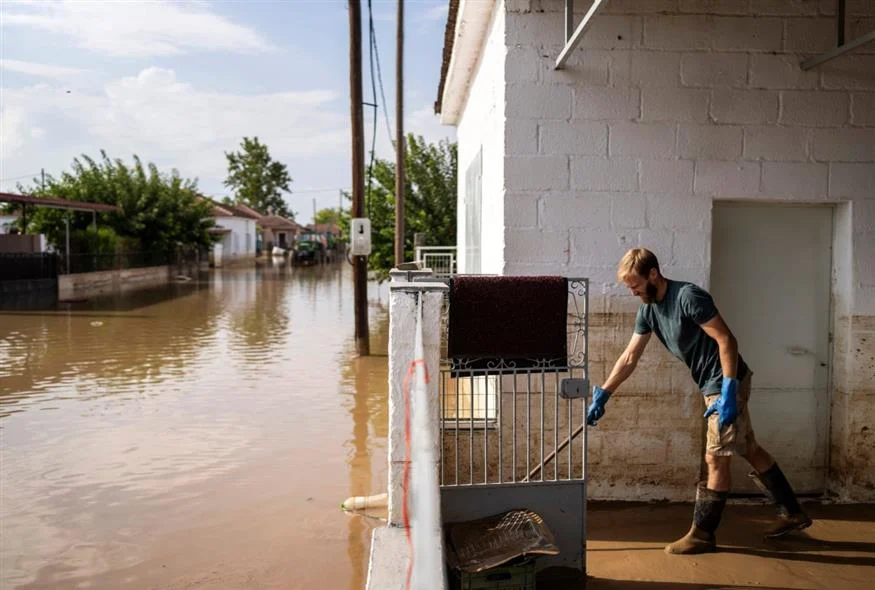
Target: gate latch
{"points": [[574, 388]]}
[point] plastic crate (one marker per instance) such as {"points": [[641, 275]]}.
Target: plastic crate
{"points": [[519, 576]]}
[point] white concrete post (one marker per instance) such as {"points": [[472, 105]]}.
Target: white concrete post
{"points": [[403, 300]]}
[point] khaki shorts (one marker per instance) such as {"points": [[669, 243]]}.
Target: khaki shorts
{"points": [[737, 438]]}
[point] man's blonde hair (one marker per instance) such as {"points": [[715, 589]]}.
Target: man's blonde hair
{"points": [[637, 261]]}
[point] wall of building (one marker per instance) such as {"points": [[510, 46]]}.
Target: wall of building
{"points": [[234, 244], [666, 106], [93, 284], [481, 128]]}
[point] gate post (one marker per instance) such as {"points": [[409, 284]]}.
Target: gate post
{"points": [[403, 300]]}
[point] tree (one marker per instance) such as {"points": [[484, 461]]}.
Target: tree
{"points": [[327, 216], [258, 180], [430, 202], [159, 212]]}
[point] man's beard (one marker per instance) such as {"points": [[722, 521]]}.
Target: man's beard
{"points": [[651, 292]]}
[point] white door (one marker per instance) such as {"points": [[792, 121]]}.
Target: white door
{"points": [[770, 278]]}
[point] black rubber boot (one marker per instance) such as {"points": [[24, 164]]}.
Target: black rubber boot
{"points": [[775, 486], [706, 519]]}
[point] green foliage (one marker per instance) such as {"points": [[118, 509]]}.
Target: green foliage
{"points": [[429, 204], [328, 216], [102, 240], [159, 212], [258, 180]]}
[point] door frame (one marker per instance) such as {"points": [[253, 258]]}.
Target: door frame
{"points": [[836, 234]]}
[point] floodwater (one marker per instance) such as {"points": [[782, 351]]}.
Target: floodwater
{"points": [[197, 436]]}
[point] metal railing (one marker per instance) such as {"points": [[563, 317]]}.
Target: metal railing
{"points": [[440, 259], [82, 263], [510, 425], [28, 266]]}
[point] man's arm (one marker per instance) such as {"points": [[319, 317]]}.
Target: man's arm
{"points": [[627, 362], [622, 369], [717, 329]]}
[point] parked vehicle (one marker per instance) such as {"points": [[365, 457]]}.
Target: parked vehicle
{"points": [[309, 249]]}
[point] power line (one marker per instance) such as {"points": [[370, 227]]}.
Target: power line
{"points": [[293, 192], [371, 44], [32, 175], [382, 93]]}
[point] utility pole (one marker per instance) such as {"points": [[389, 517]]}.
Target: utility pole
{"points": [[400, 148], [360, 271]]}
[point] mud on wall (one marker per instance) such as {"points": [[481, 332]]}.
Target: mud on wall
{"points": [[93, 284], [852, 433]]}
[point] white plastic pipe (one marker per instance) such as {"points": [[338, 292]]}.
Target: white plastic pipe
{"points": [[366, 502]]}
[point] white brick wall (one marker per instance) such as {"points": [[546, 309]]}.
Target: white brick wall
{"points": [[744, 106], [667, 106], [666, 98]]}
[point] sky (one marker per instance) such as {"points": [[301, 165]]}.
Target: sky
{"points": [[180, 83]]}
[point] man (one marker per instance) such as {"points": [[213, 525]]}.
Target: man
{"points": [[685, 320]]}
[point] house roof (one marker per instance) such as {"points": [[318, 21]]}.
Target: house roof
{"points": [[467, 29], [249, 211], [449, 37], [226, 210], [57, 203], [275, 222]]}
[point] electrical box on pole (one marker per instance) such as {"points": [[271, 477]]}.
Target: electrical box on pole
{"points": [[360, 236]]}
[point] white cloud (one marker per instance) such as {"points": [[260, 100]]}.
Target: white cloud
{"points": [[136, 29], [37, 69], [167, 121]]}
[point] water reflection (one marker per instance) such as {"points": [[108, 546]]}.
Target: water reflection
{"points": [[192, 436], [365, 382]]}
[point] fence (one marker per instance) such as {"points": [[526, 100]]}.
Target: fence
{"points": [[440, 259], [513, 435], [28, 267], [82, 263], [507, 425]]}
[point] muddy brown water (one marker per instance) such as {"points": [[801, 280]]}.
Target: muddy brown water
{"points": [[197, 436]]}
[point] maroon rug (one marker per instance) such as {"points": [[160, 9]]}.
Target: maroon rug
{"points": [[519, 320]]}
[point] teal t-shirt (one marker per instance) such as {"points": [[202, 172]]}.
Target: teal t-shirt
{"points": [[675, 321]]}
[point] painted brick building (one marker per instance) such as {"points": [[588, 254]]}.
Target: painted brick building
{"points": [[688, 127]]}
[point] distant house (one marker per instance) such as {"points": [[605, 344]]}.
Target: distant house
{"points": [[237, 228], [275, 229], [279, 231]]}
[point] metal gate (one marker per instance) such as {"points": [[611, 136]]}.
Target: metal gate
{"points": [[515, 437]]}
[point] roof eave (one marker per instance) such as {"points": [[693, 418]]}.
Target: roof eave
{"points": [[464, 46]]}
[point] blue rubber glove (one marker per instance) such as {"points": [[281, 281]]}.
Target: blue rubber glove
{"points": [[725, 406], [597, 408]]}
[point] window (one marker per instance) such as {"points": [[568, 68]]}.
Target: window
{"points": [[471, 399], [473, 208]]}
